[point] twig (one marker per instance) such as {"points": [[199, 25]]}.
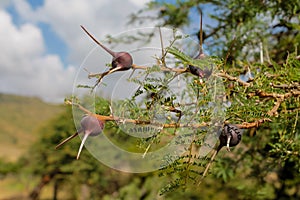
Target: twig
{"points": [[166, 69], [273, 111], [232, 78], [149, 146], [134, 121], [261, 52], [279, 97], [295, 124], [208, 166], [229, 51], [248, 125], [189, 160], [69, 102], [162, 49], [134, 67], [292, 110], [244, 125], [286, 86], [263, 94]]}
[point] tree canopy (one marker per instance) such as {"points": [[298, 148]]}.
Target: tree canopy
{"points": [[240, 26]]}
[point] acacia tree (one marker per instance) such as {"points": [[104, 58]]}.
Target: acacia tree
{"points": [[272, 91], [256, 96], [258, 92], [262, 98]]}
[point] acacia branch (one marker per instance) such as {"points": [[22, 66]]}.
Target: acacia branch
{"points": [[135, 121], [147, 122], [263, 94], [279, 97], [244, 125], [165, 69], [69, 102], [232, 78], [134, 67], [286, 86], [257, 123], [273, 111]]}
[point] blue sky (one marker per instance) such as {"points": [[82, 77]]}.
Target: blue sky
{"points": [[43, 46], [54, 44], [35, 3]]}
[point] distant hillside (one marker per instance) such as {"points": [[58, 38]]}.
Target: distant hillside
{"points": [[19, 119]]}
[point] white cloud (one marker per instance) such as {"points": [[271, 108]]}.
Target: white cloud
{"points": [[101, 17], [25, 66], [4, 3], [18, 43], [140, 3]]}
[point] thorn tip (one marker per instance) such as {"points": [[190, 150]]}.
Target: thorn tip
{"points": [[81, 145]]}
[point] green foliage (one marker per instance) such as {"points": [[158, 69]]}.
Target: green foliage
{"points": [[240, 25], [16, 118], [43, 159], [186, 60], [261, 97], [8, 168], [269, 154]]}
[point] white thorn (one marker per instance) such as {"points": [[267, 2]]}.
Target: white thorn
{"points": [[113, 70], [228, 141], [111, 111], [261, 53], [81, 145], [146, 150]]}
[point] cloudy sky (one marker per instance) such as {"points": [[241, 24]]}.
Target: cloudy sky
{"points": [[42, 44]]}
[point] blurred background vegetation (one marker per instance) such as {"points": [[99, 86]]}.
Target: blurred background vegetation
{"points": [[264, 166]]}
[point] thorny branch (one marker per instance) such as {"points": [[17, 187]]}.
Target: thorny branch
{"points": [[244, 125], [286, 86], [257, 123], [134, 67], [263, 94], [279, 98], [232, 78]]}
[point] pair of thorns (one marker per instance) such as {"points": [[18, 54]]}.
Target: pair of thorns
{"points": [[123, 61]]}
